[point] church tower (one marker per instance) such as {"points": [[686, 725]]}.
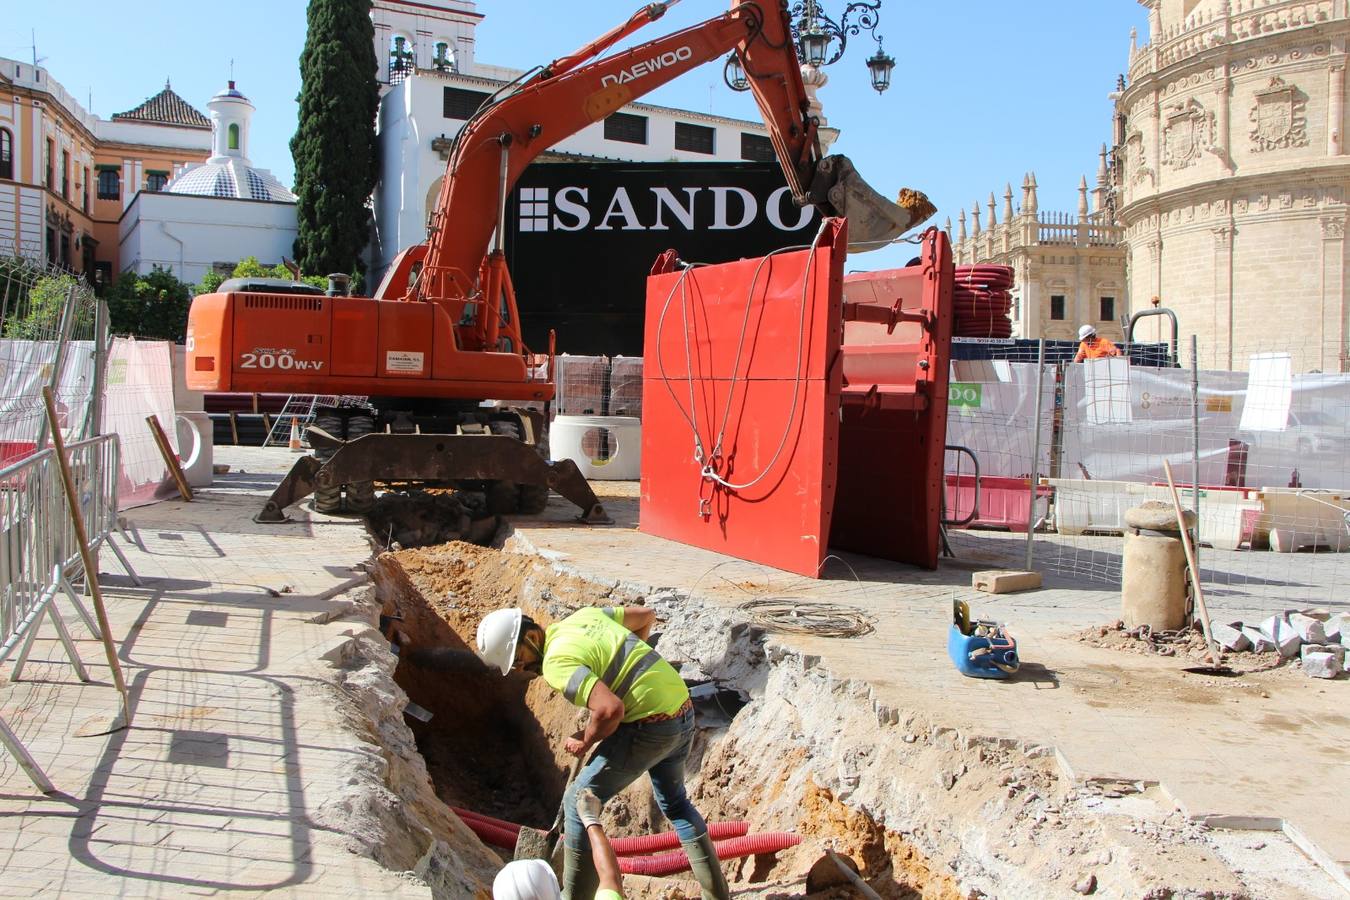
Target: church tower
{"points": [[432, 35]]}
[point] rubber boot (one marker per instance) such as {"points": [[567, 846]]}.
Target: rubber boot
{"points": [[579, 881], [707, 870]]}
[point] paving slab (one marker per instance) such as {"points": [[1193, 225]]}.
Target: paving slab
{"points": [[239, 736], [1259, 748]]}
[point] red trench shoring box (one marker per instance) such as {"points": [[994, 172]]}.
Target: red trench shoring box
{"points": [[788, 409]]}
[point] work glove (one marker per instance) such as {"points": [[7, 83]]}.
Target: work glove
{"points": [[588, 807]]}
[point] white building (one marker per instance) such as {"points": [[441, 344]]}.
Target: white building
{"points": [[214, 214], [431, 85]]}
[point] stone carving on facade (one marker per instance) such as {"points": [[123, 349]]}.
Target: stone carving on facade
{"points": [[1135, 162], [1333, 227], [1279, 117], [1188, 132]]}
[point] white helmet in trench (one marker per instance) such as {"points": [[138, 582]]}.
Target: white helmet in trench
{"points": [[526, 879], [497, 636], [1086, 332]]}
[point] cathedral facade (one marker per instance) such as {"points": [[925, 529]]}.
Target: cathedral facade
{"points": [[1230, 177]]}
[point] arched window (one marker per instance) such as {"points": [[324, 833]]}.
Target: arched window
{"points": [[6, 154], [232, 136], [109, 184], [400, 59], [443, 60]]}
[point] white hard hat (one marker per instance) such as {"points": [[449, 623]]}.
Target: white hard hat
{"points": [[526, 879], [1086, 332], [497, 636]]}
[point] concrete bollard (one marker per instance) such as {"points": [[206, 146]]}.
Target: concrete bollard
{"points": [[1153, 582]]}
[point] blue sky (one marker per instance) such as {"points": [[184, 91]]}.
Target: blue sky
{"points": [[984, 90]]}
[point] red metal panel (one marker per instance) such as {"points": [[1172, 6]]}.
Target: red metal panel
{"points": [[767, 369], [892, 438]]}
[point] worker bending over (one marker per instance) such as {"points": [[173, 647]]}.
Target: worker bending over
{"points": [[642, 720], [1093, 346], [533, 879]]}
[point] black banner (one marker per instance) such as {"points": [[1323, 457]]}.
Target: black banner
{"points": [[581, 239]]}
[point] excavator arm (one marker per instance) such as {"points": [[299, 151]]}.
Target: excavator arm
{"points": [[505, 136]]}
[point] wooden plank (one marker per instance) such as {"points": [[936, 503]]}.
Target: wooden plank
{"points": [[90, 564], [170, 458], [1191, 565]]}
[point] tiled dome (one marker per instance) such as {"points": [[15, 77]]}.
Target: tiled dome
{"points": [[231, 179]]}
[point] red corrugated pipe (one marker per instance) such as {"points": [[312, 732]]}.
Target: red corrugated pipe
{"points": [[650, 843], [676, 862], [493, 830]]}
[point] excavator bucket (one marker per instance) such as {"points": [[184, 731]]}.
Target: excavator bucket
{"points": [[873, 221]]}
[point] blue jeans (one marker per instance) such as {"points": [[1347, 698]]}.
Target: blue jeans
{"points": [[657, 748]]}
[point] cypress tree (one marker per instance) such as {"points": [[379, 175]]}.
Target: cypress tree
{"points": [[334, 147]]}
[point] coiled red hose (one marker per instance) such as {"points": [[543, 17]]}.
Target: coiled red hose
{"points": [[676, 862], [496, 832], [981, 301]]}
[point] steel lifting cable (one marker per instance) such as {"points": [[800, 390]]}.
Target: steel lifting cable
{"points": [[707, 463]]}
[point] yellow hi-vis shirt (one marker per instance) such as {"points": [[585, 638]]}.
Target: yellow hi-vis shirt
{"points": [[591, 645]]}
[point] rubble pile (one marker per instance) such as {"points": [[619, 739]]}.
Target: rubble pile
{"points": [[1316, 637]]}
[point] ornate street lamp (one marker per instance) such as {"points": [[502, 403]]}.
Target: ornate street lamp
{"points": [[733, 73], [822, 40], [879, 66]]}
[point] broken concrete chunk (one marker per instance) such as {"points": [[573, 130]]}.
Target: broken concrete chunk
{"points": [[1317, 613], [1282, 635], [1323, 660], [1230, 638], [1337, 627], [1260, 643], [1004, 581], [1309, 630]]}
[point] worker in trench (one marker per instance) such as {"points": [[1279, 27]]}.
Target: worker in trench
{"points": [[642, 720]]}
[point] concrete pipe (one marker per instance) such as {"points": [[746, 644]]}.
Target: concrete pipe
{"points": [[1153, 580]]}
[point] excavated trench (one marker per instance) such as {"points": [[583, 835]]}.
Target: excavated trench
{"points": [[922, 810]]}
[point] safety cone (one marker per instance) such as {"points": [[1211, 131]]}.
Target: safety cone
{"points": [[295, 436]]}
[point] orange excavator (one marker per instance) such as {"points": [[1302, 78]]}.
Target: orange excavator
{"points": [[442, 334]]}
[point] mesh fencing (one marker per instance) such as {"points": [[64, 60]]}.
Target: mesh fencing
{"points": [[1267, 440], [48, 318]]}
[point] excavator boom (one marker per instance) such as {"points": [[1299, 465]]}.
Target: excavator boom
{"points": [[505, 136]]}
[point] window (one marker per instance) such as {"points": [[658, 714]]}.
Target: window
{"points": [[232, 137], [6, 154], [693, 138], [155, 181], [756, 148], [457, 103], [442, 61], [65, 174], [48, 162], [627, 128], [1057, 307], [1108, 309], [51, 246], [65, 250], [85, 201], [109, 184]]}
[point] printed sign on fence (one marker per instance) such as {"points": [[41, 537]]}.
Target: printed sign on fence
{"points": [[965, 394]]}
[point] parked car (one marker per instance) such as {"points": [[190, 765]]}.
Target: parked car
{"points": [[1309, 432]]}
